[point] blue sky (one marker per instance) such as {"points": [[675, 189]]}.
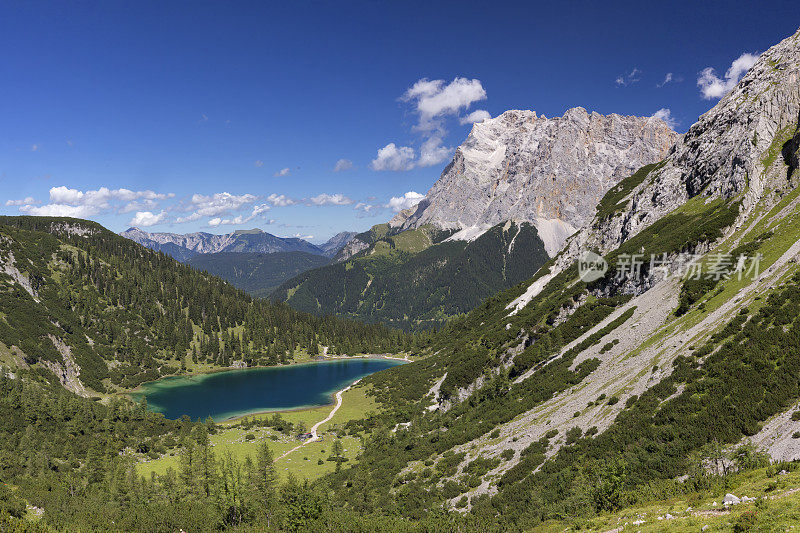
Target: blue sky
{"points": [[214, 116]]}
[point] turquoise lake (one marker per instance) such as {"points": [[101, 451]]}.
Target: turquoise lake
{"points": [[223, 395]]}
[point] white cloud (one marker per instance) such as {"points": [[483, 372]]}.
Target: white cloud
{"points": [[342, 165], [711, 86], [60, 210], [432, 152], [81, 204], [219, 204], [280, 200], [330, 199], [27, 201], [434, 98], [666, 115], [259, 163], [366, 208], [433, 101], [393, 157], [282, 172], [190, 218], [102, 197], [147, 218], [408, 200], [479, 115], [304, 237], [631, 77], [669, 77], [260, 210]]}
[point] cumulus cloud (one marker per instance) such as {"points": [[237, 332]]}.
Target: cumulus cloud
{"points": [[408, 200], [60, 210], [27, 201], [342, 165], [666, 115], [366, 208], [711, 86], [393, 157], [433, 152], [629, 78], [434, 98], [282, 172], [280, 200], [214, 222], [147, 218], [219, 204], [330, 199], [479, 115], [432, 101], [190, 218], [65, 201]]}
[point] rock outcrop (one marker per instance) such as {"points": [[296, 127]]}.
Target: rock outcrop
{"points": [[736, 148], [550, 172]]}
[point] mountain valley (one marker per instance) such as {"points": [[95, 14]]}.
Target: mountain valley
{"points": [[589, 323]]}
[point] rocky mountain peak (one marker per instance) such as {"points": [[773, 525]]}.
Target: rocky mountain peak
{"points": [[737, 148], [548, 171]]}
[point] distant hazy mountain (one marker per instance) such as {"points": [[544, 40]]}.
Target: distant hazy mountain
{"points": [[183, 247], [337, 242], [257, 273]]}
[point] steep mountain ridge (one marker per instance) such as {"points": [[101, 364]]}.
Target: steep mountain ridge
{"points": [[532, 403], [523, 167], [549, 172], [516, 169]]}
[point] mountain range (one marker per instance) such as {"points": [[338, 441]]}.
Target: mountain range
{"points": [[184, 246], [683, 347], [515, 190], [619, 337]]}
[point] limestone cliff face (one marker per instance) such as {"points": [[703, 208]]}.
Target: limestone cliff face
{"points": [[737, 148], [551, 172]]}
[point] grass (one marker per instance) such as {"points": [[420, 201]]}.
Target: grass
{"points": [[302, 463], [778, 509], [615, 199], [777, 145]]}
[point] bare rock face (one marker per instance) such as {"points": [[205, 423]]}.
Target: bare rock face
{"points": [[550, 172], [736, 148]]}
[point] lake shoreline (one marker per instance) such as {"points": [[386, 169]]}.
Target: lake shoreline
{"points": [[201, 373], [227, 395]]}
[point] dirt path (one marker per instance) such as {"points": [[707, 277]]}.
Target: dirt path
{"points": [[315, 427]]}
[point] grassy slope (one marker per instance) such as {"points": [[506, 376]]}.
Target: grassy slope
{"points": [[777, 510]]}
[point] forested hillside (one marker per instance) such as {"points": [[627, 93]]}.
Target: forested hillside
{"points": [[407, 280], [102, 312], [257, 274], [565, 396]]}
